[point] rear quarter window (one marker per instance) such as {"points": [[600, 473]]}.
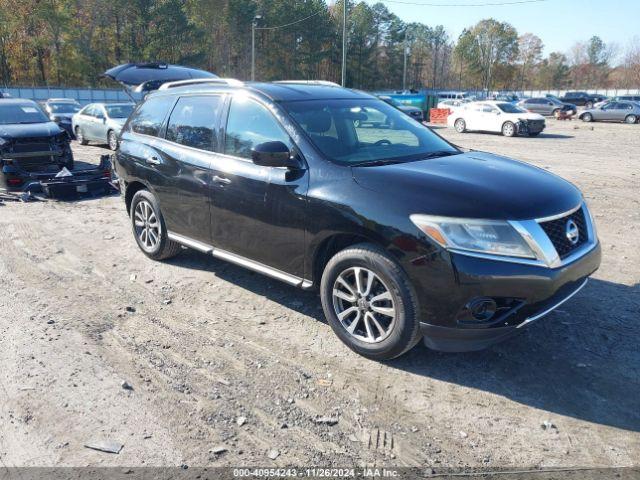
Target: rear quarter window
{"points": [[149, 117]]}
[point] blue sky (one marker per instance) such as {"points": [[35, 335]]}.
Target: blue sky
{"points": [[559, 23]]}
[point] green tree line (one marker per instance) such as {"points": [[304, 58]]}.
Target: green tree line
{"points": [[71, 42]]}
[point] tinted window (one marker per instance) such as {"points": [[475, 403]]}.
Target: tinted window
{"points": [[250, 124], [192, 122], [510, 108], [148, 118], [364, 131]]}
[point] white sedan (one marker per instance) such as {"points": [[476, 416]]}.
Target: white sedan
{"points": [[495, 116]]}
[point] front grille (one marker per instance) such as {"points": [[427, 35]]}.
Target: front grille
{"points": [[535, 125], [556, 230], [27, 147]]}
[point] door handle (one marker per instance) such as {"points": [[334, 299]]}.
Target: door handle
{"points": [[153, 160], [223, 180]]}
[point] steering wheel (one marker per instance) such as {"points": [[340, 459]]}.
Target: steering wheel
{"points": [[384, 141]]}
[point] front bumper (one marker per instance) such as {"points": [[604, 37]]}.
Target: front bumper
{"points": [[534, 292]]}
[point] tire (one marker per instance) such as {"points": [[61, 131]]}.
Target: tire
{"points": [[460, 125], [509, 129], [586, 117], [388, 336], [80, 137], [112, 140], [162, 248], [556, 112], [631, 119]]}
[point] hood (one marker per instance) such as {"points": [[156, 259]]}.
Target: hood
{"points": [[63, 115], [472, 185], [46, 129], [528, 116]]}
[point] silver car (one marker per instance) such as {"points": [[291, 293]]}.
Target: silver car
{"points": [[101, 123], [628, 112], [547, 106]]}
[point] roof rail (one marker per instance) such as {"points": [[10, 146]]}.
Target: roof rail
{"points": [[326, 83], [197, 81]]}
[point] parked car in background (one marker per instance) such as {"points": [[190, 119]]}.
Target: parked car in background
{"points": [[452, 95], [582, 99], [628, 112], [101, 122], [414, 112], [493, 116], [453, 104], [623, 98], [29, 143], [61, 110], [405, 235], [547, 106]]}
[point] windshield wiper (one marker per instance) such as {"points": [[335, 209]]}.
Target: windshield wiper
{"points": [[376, 163], [440, 153]]}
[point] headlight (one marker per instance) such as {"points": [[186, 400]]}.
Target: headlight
{"points": [[493, 237]]}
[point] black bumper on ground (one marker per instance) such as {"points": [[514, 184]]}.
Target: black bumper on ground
{"points": [[532, 291]]}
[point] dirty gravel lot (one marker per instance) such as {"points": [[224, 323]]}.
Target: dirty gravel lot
{"points": [[227, 367]]}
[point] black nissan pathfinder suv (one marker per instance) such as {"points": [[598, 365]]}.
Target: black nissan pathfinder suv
{"points": [[405, 235]]}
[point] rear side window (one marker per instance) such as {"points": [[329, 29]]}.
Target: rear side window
{"points": [[149, 117], [250, 124], [193, 120]]}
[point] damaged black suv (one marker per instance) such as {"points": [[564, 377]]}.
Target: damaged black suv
{"points": [[405, 235], [30, 144]]}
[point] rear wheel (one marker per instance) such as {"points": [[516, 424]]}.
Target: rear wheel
{"points": [[587, 117], [149, 228], [508, 129], [631, 119], [460, 125], [112, 139], [80, 136], [369, 302], [556, 112]]}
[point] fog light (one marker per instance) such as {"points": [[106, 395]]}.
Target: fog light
{"points": [[482, 309]]}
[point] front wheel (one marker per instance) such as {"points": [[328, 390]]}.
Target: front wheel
{"points": [[112, 139], [587, 117], [149, 228], [369, 302], [460, 125], [556, 112], [631, 119], [80, 136], [508, 129]]}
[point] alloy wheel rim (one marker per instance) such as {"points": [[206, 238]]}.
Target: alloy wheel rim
{"points": [[364, 305], [146, 225], [79, 135], [508, 129], [113, 144], [460, 125]]}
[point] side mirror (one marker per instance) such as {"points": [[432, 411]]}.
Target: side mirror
{"points": [[273, 154]]}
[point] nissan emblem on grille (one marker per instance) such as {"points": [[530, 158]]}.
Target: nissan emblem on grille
{"points": [[573, 234]]}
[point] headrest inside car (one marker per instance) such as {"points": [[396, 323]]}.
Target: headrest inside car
{"points": [[318, 122]]}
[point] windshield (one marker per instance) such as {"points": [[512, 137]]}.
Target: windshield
{"points": [[362, 131], [119, 111], [64, 107], [510, 108], [21, 113]]}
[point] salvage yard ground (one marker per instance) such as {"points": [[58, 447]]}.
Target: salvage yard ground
{"points": [[222, 366]]}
